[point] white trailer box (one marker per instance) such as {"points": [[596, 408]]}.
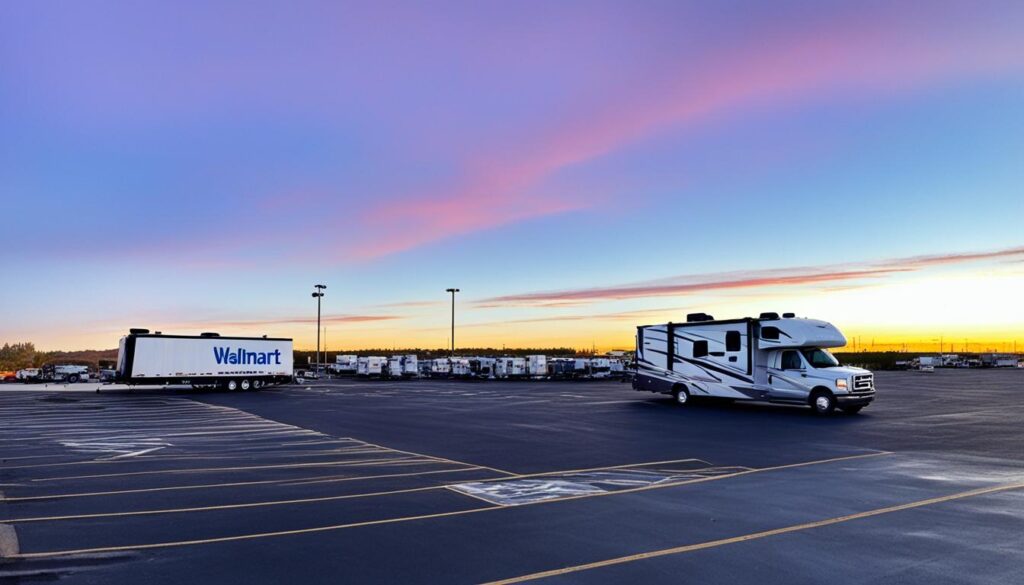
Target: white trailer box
{"points": [[440, 368], [208, 359], [410, 366], [371, 366], [537, 366], [346, 364]]}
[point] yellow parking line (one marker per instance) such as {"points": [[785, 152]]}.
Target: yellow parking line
{"points": [[219, 469], [758, 535], [428, 516], [230, 484]]}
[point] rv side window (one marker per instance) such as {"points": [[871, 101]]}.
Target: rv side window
{"points": [[769, 333], [732, 341], [700, 349], [791, 361]]}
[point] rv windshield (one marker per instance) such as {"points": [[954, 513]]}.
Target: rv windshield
{"points": [[819, 358]]}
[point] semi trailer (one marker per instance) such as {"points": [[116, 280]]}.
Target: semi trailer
{"points": [[770, 358], [203, 361]]}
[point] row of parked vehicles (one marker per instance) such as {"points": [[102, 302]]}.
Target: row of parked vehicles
{"points": [[70, 374], [536, 367]]}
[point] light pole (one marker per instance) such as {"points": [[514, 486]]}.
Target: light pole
{"points": [[318, 294], [453, 291]]}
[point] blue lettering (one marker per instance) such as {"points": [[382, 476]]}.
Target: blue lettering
{"points": [[224, 355], [220, 354]]}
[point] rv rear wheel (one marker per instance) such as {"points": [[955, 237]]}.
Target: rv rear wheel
{"points": [[681, 395], [231, 385], [823, 402]]}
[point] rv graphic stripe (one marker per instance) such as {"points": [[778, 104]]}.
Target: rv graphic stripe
{"points": [[240, 357]]}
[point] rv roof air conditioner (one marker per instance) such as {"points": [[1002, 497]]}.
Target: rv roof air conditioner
{"points": [[138, 331], [697, 317], [769, 316], [789, 315]]}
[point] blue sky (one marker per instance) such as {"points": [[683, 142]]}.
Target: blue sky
{"points": [[200, 165]]}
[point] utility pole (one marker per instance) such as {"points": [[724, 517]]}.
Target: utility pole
{"points": [[319, 294], [453, 291]]}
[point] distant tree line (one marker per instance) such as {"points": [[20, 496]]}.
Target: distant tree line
{"points": [[16, 356]]}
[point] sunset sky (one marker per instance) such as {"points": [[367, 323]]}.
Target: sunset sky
{"points": [[576, 168]]}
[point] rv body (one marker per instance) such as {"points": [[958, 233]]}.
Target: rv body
{"points": [[561, 368], [371, 366], [537, 366], [460, 367], [440, 368], [403, 366], [510, 368], [232, 363], [482, 367], [770, 359], [346, 365], [600, 368]]}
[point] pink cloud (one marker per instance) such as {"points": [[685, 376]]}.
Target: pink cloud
{"points": [[690, 284], [852, 56]]}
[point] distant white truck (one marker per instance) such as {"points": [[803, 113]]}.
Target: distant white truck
{"points": [[203, 361], [770, 359]]}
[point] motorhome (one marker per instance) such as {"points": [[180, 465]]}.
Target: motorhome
{"points": [[770, 358], [371, 366], [537, 366]]}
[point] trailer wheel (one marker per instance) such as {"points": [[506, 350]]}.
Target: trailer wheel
{"points": [[245, 385], [681, 395], [257, 384], [822, 402], [231, 385], [73, 379]]}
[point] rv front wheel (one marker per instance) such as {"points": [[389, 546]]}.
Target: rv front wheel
{"points": [[681, 395], [823, 402]]}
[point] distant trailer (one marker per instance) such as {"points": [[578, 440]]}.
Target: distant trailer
{"points": [[600, 368], [482, 367], [460, 368], [537, 366], [561, 368], [440, 368], [371, 366], [203, 361], [510, 368], [346, 365]]}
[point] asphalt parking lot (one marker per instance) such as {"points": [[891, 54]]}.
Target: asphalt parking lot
{"points": [[350, 481]]}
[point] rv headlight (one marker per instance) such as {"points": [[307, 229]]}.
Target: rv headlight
{"points": [[841, 384]]}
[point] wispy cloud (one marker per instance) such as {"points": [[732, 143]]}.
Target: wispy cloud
{"points": [[325, 319], [499, 188], [784, 277]]}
